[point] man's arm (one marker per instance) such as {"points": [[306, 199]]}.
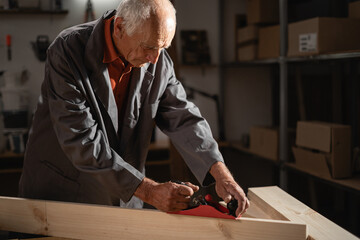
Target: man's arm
{"points": [[227, 188], [190, 133]]}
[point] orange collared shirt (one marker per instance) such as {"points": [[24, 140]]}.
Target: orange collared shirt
{"points": [[118, 72]]}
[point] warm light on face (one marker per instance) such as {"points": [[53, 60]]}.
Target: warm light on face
{"points": [[145, 45]]}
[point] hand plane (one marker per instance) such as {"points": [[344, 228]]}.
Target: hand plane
{"points": [[205, 202]]}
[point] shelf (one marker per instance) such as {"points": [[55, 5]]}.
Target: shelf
{"points": [[250, 63], [32, 11], [9, 154], [322, 57], [198, 66], [333, 56], [240, 146], [351, 183], [10, 170]]}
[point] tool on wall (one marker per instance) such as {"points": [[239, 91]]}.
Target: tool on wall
{"points": [[40, 46], [58, 5], [89, 13], [1, 82], [8, 44]]}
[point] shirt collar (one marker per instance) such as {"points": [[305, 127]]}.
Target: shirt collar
{"points": [[110, 53]]}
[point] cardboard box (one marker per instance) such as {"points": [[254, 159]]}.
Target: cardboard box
{"points": [[332, 140], [269, 42], [247, 34], [262, 11], [314, 163], [323, 35], [354, 9], [264, 141], [247, 52]]}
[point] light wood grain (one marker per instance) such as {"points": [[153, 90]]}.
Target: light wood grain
{"points": [[27, 215], [280, 205], [83, 221]]}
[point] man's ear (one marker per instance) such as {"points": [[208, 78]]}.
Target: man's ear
{"points": [[118, 27]]}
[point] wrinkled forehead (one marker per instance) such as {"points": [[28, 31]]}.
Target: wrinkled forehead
{"points": [[159, 32]]}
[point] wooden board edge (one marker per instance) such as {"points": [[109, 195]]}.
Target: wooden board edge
{"points": [[84, 221], [318, 227], [265, 207]]}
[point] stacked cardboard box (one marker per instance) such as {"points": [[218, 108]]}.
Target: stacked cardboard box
{"points": [[323, 149], [262, 11], [264, 141], [269, 42], [323, 35], [259, 13], [247, 38]]}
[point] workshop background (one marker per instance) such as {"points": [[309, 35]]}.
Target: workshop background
{"points": [[278, 86]]}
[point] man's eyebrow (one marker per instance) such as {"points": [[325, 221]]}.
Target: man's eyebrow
{"points": [[156, 47]]}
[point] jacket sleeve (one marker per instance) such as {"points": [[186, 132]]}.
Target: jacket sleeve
{"points": [[78, 126], [190, 133]]}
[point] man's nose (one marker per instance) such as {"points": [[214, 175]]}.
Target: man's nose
{"points": [[153, 56]]}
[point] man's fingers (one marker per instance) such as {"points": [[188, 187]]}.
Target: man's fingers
{"points": [[247, 204], [227, 198], [243, 205], [195, 188], [185, 190]]}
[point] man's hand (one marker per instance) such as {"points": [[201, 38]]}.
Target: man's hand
{"points": [[167, 197], [227, 188]]}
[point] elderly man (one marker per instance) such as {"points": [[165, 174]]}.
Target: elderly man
{"points": [[106, 83]]}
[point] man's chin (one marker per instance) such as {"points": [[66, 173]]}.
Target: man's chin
{"points": [[139, 64]]}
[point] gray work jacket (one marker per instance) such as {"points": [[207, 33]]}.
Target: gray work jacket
{"points": [[76, 149]]}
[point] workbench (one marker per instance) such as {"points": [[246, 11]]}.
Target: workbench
{"points": [[273, 214]]}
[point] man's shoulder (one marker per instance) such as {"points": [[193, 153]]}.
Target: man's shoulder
{"points": [[75, 38], [165, 60], [84, 30], [78, 31]]}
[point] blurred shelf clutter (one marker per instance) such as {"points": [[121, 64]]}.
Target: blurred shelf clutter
{"points": [[14, 100], [31, 7]]}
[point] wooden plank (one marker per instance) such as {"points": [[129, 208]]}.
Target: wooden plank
{"points": [[252, 212], [28, 215], [84, 221], [279, 204], [46, 238]]}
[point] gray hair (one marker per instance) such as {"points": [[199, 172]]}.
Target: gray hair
{"points": [[135, 12]]}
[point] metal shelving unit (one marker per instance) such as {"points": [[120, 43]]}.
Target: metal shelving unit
{"points": [[283, 128], [283, 61], [345, 191]]}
